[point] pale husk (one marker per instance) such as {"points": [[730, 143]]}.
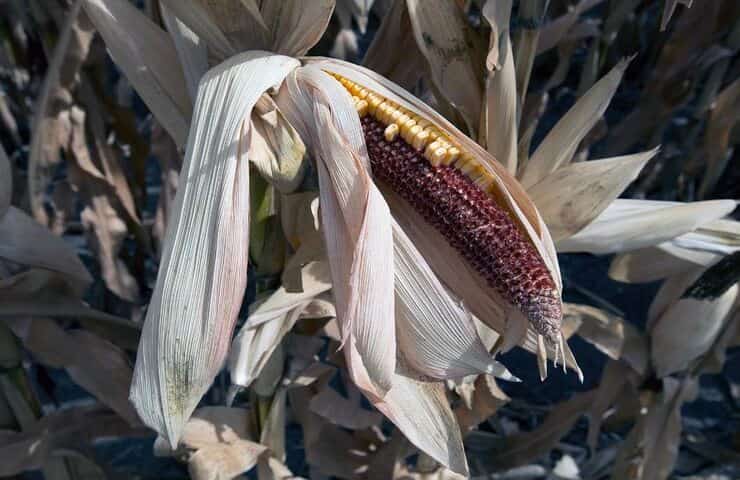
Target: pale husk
{"points": [[465, 283], [203, 271]]}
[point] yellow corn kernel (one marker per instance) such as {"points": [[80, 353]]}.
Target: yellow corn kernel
{"points": [[361, 107], [431, 148], [373, 103], [412, 132], [438, 156], [420, 140], [391, 132], [452, 155]]}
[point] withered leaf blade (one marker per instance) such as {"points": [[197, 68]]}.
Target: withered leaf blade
{"points": [[573, 196], [45, 251], [221, 440], [148, 58], [93, 363], [632, 224], [690, 326], [560, 144], [442, 36], [525, 447], [501, 97], [650, 450]]}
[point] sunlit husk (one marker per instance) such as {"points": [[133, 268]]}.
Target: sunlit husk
{"points": [[203, 272], [508, 195]]}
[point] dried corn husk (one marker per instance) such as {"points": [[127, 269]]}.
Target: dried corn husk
{"points": [[689, 327], [204, 265], [449, 266]]}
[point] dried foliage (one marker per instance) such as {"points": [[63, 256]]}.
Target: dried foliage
{"points": [[312, 267]]}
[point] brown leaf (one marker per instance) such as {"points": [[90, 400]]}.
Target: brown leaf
{"points": [[611, 335], [447, 43], [43, 293], [650, 450], [487, 398], [525, 447], [50, 126], [403, 64], [93, 363], [342, 411]]}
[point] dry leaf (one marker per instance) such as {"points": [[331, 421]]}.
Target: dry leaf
{"points": [[689, 327], [632, 224], [45, 251], [148, 58], [574, 195], [558, 147], [650, 450], [611, 335], [93, 363], [444, 39]]}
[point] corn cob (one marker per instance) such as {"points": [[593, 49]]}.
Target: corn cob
{"points": [[455, 194]]}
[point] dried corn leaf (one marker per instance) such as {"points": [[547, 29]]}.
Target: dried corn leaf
{"points": [[650, 450], [203, 272], [560, 144], [717, 139], [445, 40], [50, 126], [240, 21], [268, 324], [521, 448], [93, 363], [669, 7], [342, 411], [403, 64], [198, 18], [501, 116], [148, 58], [6, 182], [106, 235], [574, 195], [565, 26], [690, 326], [270, 468], [611, 335], [486, 399], [71, 428], [296, 25], [655, 263], [42, 293], [218, 443], [192, 51], [632, 224], [45, 251], [360, 9]]}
